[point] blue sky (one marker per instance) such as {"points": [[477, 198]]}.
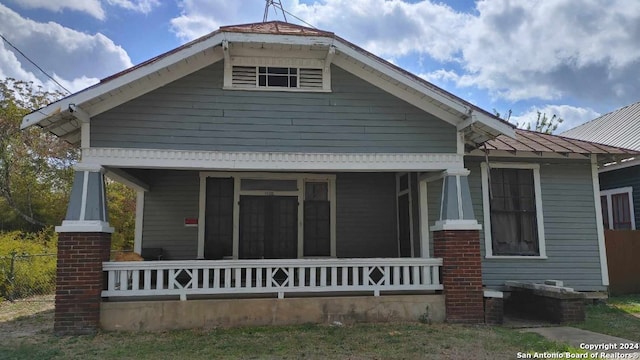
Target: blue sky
{"points": [[574, 59]]}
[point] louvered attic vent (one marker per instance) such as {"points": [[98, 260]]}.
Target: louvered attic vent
{"points": [[248, 77]]}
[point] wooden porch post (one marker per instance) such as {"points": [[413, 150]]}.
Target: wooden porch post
{"points": [[84, 242]]}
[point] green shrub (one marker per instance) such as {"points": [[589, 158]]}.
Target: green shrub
{"points": [[27, 263]]}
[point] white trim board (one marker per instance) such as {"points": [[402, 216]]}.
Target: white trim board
{"points": [[620, 165], [280, 161], [488, 244], [602, 249], [139, 225]]}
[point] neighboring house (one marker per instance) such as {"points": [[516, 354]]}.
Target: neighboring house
{"points": [[276, 160], [619, 179]]}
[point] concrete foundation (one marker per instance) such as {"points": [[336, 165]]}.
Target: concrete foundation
{"points": [[175, 314]]}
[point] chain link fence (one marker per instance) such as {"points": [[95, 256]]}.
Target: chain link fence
{"points": [[30, 277]]}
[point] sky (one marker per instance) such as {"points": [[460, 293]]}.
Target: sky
{"points": [[573, 59]]}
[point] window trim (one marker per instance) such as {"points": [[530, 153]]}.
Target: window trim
{"points": [[301, 178], [488, 244], [608, 193]]}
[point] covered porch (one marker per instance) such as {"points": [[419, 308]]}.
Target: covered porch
{"points": [[285, 234], [277, 233]]}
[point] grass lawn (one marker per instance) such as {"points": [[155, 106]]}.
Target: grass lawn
{"points": [[30, 337], [620, 316]]}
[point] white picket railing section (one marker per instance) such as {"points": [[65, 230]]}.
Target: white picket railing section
{"points": [[275, 276]]}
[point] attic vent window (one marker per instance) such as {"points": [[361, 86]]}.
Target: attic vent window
{"points": [[278, 78]]}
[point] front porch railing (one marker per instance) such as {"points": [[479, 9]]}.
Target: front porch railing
{"points": [[272, 276]]}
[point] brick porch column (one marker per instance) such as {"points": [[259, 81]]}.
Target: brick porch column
{"points": [[84, 242], [461, 274], [456, 239]]}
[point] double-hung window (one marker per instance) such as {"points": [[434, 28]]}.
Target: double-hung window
{"points": [[617, 209], [512, 204]]}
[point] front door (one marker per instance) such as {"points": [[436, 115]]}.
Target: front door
{"points": [[268, 227]]}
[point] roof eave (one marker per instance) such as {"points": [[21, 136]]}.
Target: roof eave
{"points": [[115, 82]]}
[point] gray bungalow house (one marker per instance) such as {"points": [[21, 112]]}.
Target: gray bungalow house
{"points": [[285, 175], [619, 179]]}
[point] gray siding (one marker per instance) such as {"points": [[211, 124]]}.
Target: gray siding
{"points": [[194, 113], [366, 215], [173, 196], [569, 225], [622, 178]]}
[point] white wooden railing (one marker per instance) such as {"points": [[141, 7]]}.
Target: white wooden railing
{"points": [[275, 276]]}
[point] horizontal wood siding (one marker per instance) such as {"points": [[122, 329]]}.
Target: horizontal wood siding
{"points": [[569, 224], [173, 196], [194, 113], [622, 178], [366, 215]]}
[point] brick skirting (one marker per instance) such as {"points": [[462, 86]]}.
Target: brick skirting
{"points": [[493, 311]]}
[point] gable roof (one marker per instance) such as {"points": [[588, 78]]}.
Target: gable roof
{"points": [[618, 128], [63, 117]]}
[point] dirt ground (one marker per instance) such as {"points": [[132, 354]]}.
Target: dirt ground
{"points": [[25, 318]]}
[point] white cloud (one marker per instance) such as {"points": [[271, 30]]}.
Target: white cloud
{"points": [[72, 57], [142, 6], [91, 7], [548, 49], [441, 76], [200, 17], [390, 27], [515, 50], [572, 116]]}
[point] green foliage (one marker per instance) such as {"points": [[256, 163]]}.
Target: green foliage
{"points": [[543, 123], [121, 202], [35, 166], [27, 266], [618, 317]]}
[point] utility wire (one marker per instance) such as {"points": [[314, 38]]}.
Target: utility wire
{"points": [[306, 23], [34, 64]]}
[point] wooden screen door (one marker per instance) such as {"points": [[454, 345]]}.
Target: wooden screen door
{"points": [[268, 227]]}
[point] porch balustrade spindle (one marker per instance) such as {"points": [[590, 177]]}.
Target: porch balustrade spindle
{"points": [[184, 278]]}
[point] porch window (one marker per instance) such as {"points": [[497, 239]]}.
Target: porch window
{"points": [[617, 209], [317, 223], [513, 210]]}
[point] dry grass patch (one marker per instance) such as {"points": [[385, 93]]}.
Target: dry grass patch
{"points": [[24, 336]]}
